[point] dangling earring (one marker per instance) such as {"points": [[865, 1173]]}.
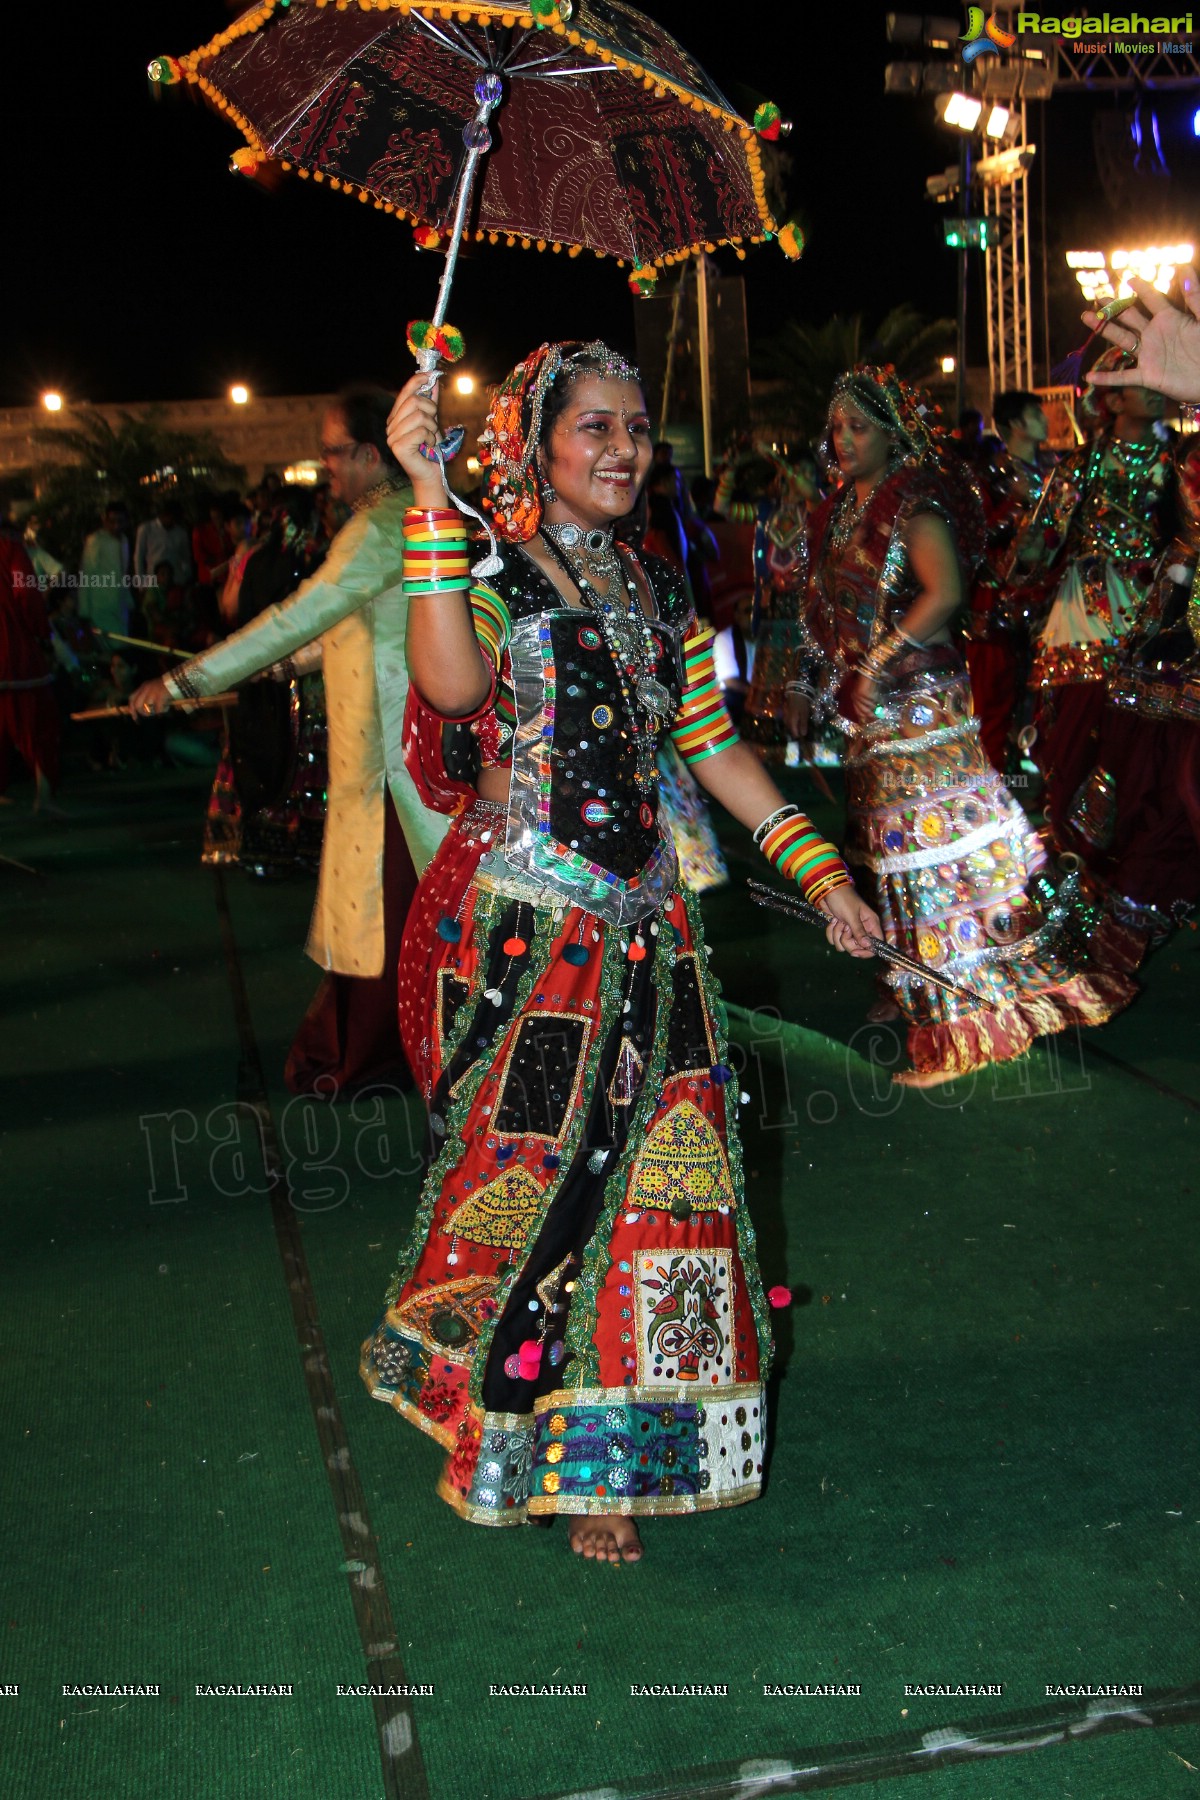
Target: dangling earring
{"points": [[546, 493]]}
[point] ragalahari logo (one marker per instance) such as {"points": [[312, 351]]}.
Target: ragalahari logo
{"points": [[983, 37]]}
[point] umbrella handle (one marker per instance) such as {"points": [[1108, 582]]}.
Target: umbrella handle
{"points": [[443, 452], [447, 447], [489, 91]]}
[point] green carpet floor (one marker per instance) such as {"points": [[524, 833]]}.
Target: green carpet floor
{"points": [[985, 1402]]}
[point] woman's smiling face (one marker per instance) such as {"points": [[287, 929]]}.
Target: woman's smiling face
{"points": [[599, 452]]}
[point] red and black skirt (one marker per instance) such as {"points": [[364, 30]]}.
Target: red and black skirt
{"points": [[578, 1317]]}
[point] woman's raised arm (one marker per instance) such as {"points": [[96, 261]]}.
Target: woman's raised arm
{"points": [[445, 663]]}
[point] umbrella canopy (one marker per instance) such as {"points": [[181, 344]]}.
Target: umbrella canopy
{"points": [[609, 138]]}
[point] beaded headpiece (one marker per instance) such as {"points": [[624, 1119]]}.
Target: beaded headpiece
{"points": [[901, 410], [912, 420], [508, 444]]}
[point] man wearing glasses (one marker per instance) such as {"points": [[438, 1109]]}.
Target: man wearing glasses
{"points": [[378, 836]]}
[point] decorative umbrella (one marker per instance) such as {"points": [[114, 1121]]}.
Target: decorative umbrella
{"points": [[609, 138]]}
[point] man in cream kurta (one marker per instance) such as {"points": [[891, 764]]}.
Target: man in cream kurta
{"points": [[355, 605]]}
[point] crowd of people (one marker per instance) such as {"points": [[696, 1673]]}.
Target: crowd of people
{"points": [[83, 637], [504, 906]]}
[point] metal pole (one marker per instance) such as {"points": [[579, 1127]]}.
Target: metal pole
{"points": [[1026, 374], [994, 276], [964, 189], [676, 309], [705, 381]]}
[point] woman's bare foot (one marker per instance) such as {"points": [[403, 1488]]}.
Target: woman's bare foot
{"points": [[45, 806], [923, 1078], [605, 1537], [883, 1012]]}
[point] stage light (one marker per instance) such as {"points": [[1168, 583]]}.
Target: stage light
{"points": [[52, 402], [949, 364], [239, 394], [960, 110], [997, 122], [1103, 278], [465, 384]]}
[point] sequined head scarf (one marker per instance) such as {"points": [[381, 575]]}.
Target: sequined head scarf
{"points": [[903, 412], [911, 421], [509, 443]]}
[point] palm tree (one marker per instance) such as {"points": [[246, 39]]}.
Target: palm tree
{"points": [[802, 362], [96, 462]]}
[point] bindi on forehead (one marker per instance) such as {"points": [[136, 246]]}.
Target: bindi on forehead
{"points": [[595, 393], [603, 414]]}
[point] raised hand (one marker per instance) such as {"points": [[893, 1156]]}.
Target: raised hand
{"points": [[413, 421], [1164, 338]]}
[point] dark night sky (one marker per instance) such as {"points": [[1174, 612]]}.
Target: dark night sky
{"points": [[149, 272]]}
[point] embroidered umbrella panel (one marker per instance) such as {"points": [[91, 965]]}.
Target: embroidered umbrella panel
{"points": [[377, 102]]}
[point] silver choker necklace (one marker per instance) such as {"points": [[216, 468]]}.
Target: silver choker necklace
{"points": [[618, 612], [590, 556], [595, 542]]}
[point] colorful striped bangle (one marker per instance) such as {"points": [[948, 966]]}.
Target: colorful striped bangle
{"points": [[837, 877], [433, 538], [436, 553], [417, 567], [456, 584], [493, 626], [702, 726], [430, 534], [796, 848], [436, 558]]}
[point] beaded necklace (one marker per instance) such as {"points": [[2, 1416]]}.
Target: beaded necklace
{"points": [[849, 517], [586, 557], [1133, 453]]}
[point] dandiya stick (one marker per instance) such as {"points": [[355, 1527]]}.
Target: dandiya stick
{"points": [[125, 712], [116, 637], [797, 908]]}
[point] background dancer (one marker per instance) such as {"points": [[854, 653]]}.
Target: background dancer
{"points": [[951, 851], [1011, 479], [376, 832], [28, 715], [1092, 542]]}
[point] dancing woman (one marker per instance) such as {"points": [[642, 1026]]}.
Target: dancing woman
{"points": [[578, 1317], [951, 852]]}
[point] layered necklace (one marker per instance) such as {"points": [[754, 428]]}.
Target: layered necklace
{"points": [[1133, 456], [850, 515], [591, 557]]}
